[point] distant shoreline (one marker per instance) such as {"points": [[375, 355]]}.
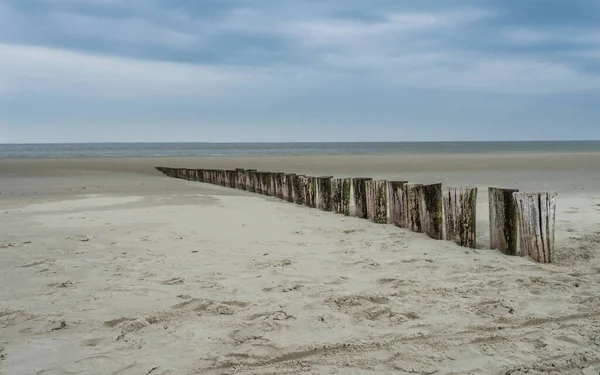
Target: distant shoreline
{"points": [[69, 150]]}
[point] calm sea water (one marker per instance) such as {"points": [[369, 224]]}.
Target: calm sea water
{"points": [[223, 149]]}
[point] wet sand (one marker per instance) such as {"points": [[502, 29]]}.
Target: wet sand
{"points": [[108, 267]]}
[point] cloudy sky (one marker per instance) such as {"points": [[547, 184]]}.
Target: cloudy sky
{"points": [[299, 70]]}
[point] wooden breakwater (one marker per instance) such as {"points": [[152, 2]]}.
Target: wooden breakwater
{"points": [[520, 223]]}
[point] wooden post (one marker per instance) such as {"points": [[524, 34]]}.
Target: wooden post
{"points": [[537, 215], [259, 182], [347, 195], [288, 189], [279, 180], [216, 177], [251, 180], [265, 183], [503, 220], [299, 189], [310, 192], [460, 219], [360, 196], [240, 179], [223, 174], [232, 179], [411, 207], [376, 191], [394, 191], [337, 189], [324, 193], [432, 218]]}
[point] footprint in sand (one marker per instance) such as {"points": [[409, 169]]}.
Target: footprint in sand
{"points": [[174, 281], [284, 288]]}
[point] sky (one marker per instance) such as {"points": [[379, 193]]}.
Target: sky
{"points": [[299, 70]]}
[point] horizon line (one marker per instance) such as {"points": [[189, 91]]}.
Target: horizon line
{"points": [[291, 142]]}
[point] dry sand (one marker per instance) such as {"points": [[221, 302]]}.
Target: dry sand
{"points": [[108, 267]]}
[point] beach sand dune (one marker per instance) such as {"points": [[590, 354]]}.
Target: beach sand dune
{"points": [[108, 267]]}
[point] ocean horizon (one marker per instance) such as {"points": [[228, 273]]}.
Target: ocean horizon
{"points": [[157, 149]]}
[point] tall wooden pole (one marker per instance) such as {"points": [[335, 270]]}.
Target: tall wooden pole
{"points": [[503, 220], [460, 218], [432, 218]]}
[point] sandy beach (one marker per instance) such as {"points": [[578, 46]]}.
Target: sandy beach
{"points": [[109, 267]]}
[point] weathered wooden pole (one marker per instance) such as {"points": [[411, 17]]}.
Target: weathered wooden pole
{"points": [[265, 182], [411, 207], [299, 189], [258, 183], [231, 179], [347, 196], [337, 190], [536, 213], [223, 173], [214, 176], [460, 219], [503, 220], [360, 196], [288, 188], [277, 184], [376, 191], [200, 175], [240, 179], [251, 180], [272, 185], [394, 192], [324, 193], [432, 218], [310, 192]]}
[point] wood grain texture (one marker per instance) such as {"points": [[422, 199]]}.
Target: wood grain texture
{"points": [[536, 214], [324, 193], [288, 191], [394, 192], [347, 196], [360, 196], [431, 215], [411, 204], [376, 192], [460, 215], [310, 192], [503, 220], [299, 189], [277, 184], [337, 191]]}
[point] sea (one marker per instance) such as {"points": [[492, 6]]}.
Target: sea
{"points": [[67, 150]]}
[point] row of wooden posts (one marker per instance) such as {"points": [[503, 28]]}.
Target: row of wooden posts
{"points": [[520, 223]]}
